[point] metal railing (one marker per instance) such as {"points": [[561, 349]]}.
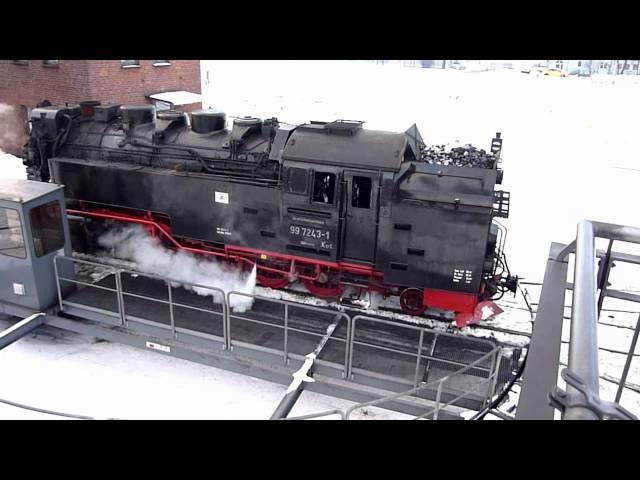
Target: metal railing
{"points": [[581, 401], [121, 293], [439, 384], [419, 353], [354, 335], [287, 329]]}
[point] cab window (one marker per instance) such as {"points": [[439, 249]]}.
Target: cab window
{"points": [[11, 239], [324, 186], [46, 228]]}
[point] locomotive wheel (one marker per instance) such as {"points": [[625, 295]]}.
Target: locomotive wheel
{"points": [[327, 290], [272, 279], [411, 302]]}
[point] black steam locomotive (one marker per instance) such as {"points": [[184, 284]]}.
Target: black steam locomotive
{"points": [[331, 204]]}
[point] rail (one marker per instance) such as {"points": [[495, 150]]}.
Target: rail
{"points": [[581, 401]]}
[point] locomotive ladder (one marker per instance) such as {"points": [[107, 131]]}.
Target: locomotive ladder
{"points": [[303, 375]]}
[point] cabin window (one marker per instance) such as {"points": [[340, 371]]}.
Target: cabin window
{"points": [[297, 181], [11, 239], [324, 186], [46, 227], [361, 192]]}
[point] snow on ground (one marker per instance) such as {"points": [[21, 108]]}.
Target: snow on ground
{"points": [[569, 153], [11, 167], [76, 374]]}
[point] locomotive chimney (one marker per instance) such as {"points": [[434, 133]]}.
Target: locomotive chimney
{"points": [[88, 108]]}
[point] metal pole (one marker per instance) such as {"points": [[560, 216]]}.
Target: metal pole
{"points": [[438, 395], [583, 346], [20, 329], [55, 269], [602, 280], [627, 364], [415, 377], [497, 360], [303, 375], [173, 323], [286, 333], [120, 298]]}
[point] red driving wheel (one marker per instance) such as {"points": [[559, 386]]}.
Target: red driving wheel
{"points": [[411, 302], [273, 280], [328, 290]]}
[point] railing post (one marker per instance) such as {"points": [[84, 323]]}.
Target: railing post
{"points": [[228, 333], [604, 276], [627, 363], [120, 297], [438, 395], [415, 376], [173, 324], [347, 346], [351, 341], [497, 359], [225, 320], [55, 270], [286, 333]]}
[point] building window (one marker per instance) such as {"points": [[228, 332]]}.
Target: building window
{"points": [[130, 63], [161, 63], [46, 228], [11, 239], [21, 62], [50, 63], [559, 64], [324, 184], [361, 192]]}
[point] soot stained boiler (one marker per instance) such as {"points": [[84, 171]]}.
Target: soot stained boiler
{"points": [[331, 204]]}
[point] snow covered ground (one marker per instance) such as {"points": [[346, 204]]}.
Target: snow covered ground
{"points": [[569, 153]]}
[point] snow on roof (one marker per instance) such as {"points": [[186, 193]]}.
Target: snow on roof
{"points": [[179, 97]]}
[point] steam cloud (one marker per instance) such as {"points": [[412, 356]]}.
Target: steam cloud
{"points": [[8, 135], [136, 244]]}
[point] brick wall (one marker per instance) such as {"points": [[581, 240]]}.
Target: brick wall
{"points": [[72, 81], [109, 83]]}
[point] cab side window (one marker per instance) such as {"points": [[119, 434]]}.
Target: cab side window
{"points": [[46, 227], [11, 239], [324, 187], [361, 192]]}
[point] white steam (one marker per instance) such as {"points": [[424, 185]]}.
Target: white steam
{"points": [[135, 244], [8, 134]]}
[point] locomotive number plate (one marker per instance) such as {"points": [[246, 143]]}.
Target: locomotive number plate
{"points": [[307, 232]]}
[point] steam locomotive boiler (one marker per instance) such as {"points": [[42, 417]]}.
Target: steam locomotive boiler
{"points": [[331, 204]]}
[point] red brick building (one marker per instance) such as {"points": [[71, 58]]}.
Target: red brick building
{"points": [[25, 83]]}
